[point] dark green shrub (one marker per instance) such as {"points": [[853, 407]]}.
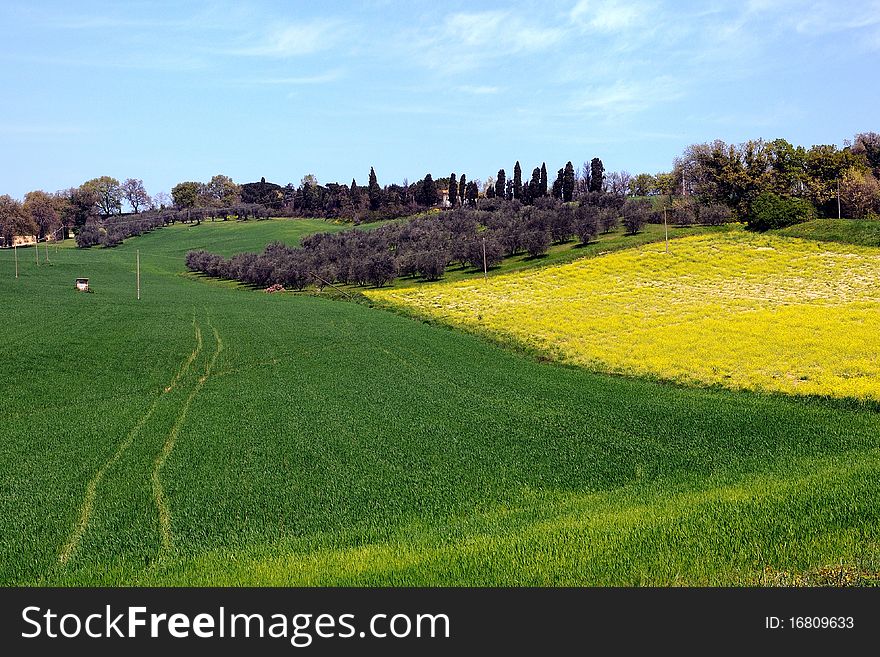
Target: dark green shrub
{"points": [[770, 211]]}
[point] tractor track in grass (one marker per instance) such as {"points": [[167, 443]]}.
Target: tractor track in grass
{"points": [[75, 538], [158, 491]]}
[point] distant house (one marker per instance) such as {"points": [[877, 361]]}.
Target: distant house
{"points": [[28, 240], [444, 198], [23, 240]]}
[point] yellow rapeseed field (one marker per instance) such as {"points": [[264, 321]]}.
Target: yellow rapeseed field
{"points": [[738, 309]]}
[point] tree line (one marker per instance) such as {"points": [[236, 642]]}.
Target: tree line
{"points": [[478, 235], [774, 184], [767, 184]]}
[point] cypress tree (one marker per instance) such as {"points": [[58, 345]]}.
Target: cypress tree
{"points": [[557, 185], [453, 189], [461, 188], [543, 191], [597, 175], [355, 194], [374, 192], [501, 184], [535, 185], [517, 180], [568, 182], [429, 191], [472, 193]]}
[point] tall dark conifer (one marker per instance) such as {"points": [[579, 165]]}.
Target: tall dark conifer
{"points": [[374, 192], [429, 191], [453, 189], [557, 185], [472, 193], [501, 184], [535, 185], [517, 180], [597, 175], [568, 182], [543, 179], [462, 186], [355, 193]]}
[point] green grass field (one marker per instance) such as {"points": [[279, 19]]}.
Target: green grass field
{"points": [[845, 231], [212, 434]]}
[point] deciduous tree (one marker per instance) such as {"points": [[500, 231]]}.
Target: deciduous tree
{"points": [[134, 192], [186, 194], [223, 192], [14, 220], [41, 208], [108, 194]]}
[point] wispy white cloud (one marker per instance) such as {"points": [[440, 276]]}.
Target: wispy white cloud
{"points": [[816, 17], [293, 40], [627, 96], [827, 19], [610, 15], [468, 40]]}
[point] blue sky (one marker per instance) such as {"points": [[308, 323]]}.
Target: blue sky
{"points": [[184, 90]]}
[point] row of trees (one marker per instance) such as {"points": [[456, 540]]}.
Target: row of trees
{"points": [[774, 183], [470, 236], [56, 215], [793, 184], [564, 186], [111, 231]]}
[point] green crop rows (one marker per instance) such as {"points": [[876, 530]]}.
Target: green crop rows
{"points": [[211, 434]]}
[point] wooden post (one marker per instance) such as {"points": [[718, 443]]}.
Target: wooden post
{"points": [[139, 274], [46, 244], [666, 230], [838, 197], [37, 250], [15, 248], [485, 268]]}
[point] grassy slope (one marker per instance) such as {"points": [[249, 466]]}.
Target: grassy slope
{"points": [[845, 231], [333, 443]]}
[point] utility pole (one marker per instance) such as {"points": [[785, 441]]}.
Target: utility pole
{"points": [[485, 269], [139, 274], [838, 197], [666, 230]]}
